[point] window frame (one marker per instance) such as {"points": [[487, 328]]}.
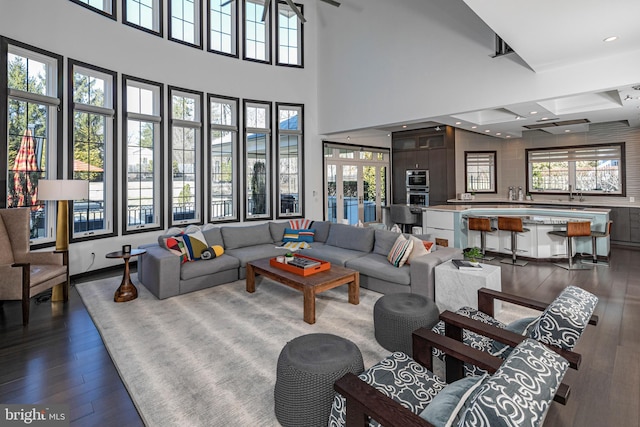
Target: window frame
{"points": [[494, 172], [268, 160], [54, 124], [158, 158], [235, 19], [300, 133], [300, 33], [197, 36], [109, 199], [268, 27], [234, 128], [158, 17], [572, 170], [111, 15], [198, 125]]}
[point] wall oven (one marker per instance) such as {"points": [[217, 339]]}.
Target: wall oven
{"points": [[417, 178], [418, 197]]}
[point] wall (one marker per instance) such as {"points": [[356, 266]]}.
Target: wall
{"points": [[72, 31], [384, 62], [511, 156]]}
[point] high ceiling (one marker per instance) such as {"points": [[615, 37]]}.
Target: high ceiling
{"points": [[550, 34]]}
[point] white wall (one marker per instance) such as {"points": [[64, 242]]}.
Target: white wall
{"points": [[384, 61], [72, 31]]}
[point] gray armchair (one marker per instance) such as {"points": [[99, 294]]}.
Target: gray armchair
{"points": [[24, 274]]}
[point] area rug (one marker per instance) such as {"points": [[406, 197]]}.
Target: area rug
{"points": [[209, 358]]}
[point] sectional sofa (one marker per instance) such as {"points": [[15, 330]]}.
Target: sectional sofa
{"points": [[363, 249]]}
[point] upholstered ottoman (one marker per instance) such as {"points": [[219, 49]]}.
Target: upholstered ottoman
{"points": [[307, 368], [396, 316]]}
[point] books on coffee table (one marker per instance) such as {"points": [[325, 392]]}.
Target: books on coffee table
{"points": [[466, 265], [303, 262]]}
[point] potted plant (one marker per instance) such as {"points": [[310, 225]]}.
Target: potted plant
{"points": [[474, 255], [288, 257]]}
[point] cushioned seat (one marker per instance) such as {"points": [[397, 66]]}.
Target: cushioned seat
{"points": [[307, 368], [378, 266], [192, 270]]}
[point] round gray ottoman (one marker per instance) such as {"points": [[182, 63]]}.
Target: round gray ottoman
{"points": [[396, 316], [307, 368]]}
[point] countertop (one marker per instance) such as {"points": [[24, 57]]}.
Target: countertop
{"points": [[463, 208], [615, 203]]}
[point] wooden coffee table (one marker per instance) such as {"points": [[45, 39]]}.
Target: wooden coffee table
{"points": [[310, 286]]}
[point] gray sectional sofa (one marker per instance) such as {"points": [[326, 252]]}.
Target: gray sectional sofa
{"points": [[363, 249]]}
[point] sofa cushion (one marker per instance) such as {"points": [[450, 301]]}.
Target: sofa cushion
{"points": [[400, 251], [191, 270], [252, 253], [349, 237], [213, 235], [240, 237], [277, 230], [333, 254], [322, 230], [377, 266], [384, 240]]}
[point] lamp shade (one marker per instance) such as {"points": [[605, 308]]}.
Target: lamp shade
{"points": [[63, 189]]}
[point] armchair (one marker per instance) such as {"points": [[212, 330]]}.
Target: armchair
{"points": [[559, 326], [24, 274], [400, 391]]}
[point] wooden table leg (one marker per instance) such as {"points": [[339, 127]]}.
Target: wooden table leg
{"points": [[354, 289], [251, 279], [309, 305], [127, 291]]}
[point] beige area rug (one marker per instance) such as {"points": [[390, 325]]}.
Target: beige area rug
{"points": [[209, 358]]}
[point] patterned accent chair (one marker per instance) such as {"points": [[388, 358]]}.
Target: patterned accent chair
{"points": [[400, 391], [24, 274], [559, 326]]}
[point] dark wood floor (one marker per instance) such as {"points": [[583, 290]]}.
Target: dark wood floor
{"points": [[60, 357]]}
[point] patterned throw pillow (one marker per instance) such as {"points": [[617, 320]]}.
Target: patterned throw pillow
{"points": [[294, 246], [400, 251], [175, 245], [301, 235], [427, 245], [447, 407], [300, 224], [196, 243]]}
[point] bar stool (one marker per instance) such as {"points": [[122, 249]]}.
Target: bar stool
{"points": [[514, 225], [574, 229], [402, 215], [594, 236], [483, 225]]}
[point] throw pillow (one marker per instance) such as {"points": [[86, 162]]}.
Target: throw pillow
{"points": [[301, 235], [400, 251], [212, 252], [175, 245], [196, 243], [428, 246], [520, 326], [294, 246], [300, 224], [418, 249], [447, 406]]}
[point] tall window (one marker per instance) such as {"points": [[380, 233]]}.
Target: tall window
{"points": [[143, 130], [91, 116], [257, 116], [257, 44], [186, 156], [223, 27], [593, 169], [223, 163], [289, 36], [144, 15], [184, 25], [33, 130], [104, 7], [290, 149], [480, 171]]}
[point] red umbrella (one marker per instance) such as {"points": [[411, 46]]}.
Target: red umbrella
{"points": [[25, 174]]}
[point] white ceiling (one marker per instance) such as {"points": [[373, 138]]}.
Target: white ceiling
{"points": [[549, 34]]}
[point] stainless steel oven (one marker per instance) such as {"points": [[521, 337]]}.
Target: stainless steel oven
{"points": [[417, 178], [418, 197]]}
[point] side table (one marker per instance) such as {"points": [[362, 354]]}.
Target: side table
{"points": [[127, 291], [459, 288]]}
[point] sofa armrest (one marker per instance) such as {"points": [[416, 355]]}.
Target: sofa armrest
{"points": [[159, 271], [422, 270]]}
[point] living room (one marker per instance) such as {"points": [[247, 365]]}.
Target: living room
{"points": [[434, 61]]}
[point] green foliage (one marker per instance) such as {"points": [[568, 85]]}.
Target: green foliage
{"points": [[259, 188], [185, 195], [473, 254]]}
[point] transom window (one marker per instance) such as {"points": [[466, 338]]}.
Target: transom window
{"points": [[184, 24], [223, 20], [144, 14], [480, 171], [143, 130], [289, 36], [223, 163], [256, 31], [594, 169], [290, 148], [93, 138], [104, 7], [257, 159], [186, 156]]}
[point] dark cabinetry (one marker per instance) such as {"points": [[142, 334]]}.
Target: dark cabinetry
{"points": [[626, 225], [425, 149]]}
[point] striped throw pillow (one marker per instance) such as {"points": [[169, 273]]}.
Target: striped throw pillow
{"points": [[400, 251]]}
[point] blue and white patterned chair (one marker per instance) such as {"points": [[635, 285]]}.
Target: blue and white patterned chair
{"points": [[560, 324], [398, 391]]}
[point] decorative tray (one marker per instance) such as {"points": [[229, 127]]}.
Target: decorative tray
{"points": [[308, 271]]}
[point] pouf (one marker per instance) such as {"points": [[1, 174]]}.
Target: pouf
{"points": [[396, 316], [307, 368]]}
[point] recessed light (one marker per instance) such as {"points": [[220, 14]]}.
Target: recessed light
{"points": [[533, 112], [499, 133], [508, 136], [487, 130], [544, 118], [567, 130], [458, 123], [610, 39], [518, 117], [404, 126], [473, 127]]}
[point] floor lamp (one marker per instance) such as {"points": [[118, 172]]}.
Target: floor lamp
{"points": [[62, 190]]}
